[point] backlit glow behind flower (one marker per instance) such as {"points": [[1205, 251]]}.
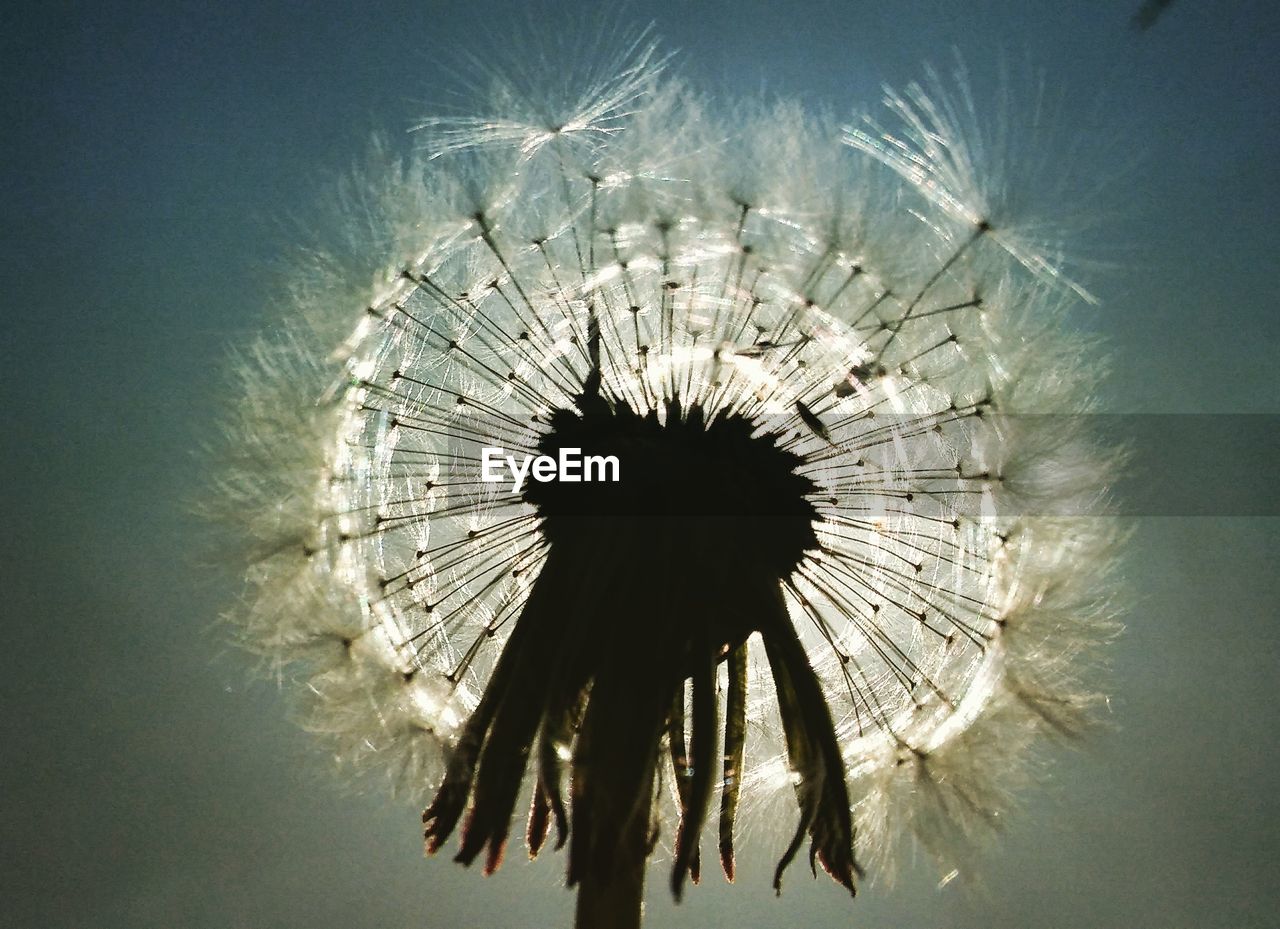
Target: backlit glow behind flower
{"points": [[825, 572]]}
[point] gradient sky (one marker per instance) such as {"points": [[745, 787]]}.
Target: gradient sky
{"points": [[158, 155]]}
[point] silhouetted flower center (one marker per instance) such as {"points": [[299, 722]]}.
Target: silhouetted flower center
{"points": [[723, 488]]}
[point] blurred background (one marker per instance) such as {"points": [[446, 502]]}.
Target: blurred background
{"points": [[156, 156]]}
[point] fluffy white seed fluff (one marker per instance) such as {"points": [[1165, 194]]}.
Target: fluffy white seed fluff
{"points": [[759, 258]]}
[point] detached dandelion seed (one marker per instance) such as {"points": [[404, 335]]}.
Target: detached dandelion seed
{"points": [[819, 574]]}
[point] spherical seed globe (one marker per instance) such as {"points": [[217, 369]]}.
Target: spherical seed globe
{"points": [[817, 575]]}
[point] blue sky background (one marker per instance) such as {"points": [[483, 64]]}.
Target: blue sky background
{"points": [[155, 159]]}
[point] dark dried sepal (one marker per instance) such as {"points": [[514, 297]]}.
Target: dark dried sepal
{"points": [[813, 753], [539, 822], [694, 814], [441, 817], [735, 729]]}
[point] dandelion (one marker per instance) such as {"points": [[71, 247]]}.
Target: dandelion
{"points": [[819, 574]]}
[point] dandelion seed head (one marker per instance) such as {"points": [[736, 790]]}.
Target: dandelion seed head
{"points": [[823, 581]]}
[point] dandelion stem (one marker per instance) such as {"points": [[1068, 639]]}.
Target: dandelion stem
{"points": [[616, 901]]}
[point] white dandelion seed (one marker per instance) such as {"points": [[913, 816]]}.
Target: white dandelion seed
{"points": [[822, 574]]}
